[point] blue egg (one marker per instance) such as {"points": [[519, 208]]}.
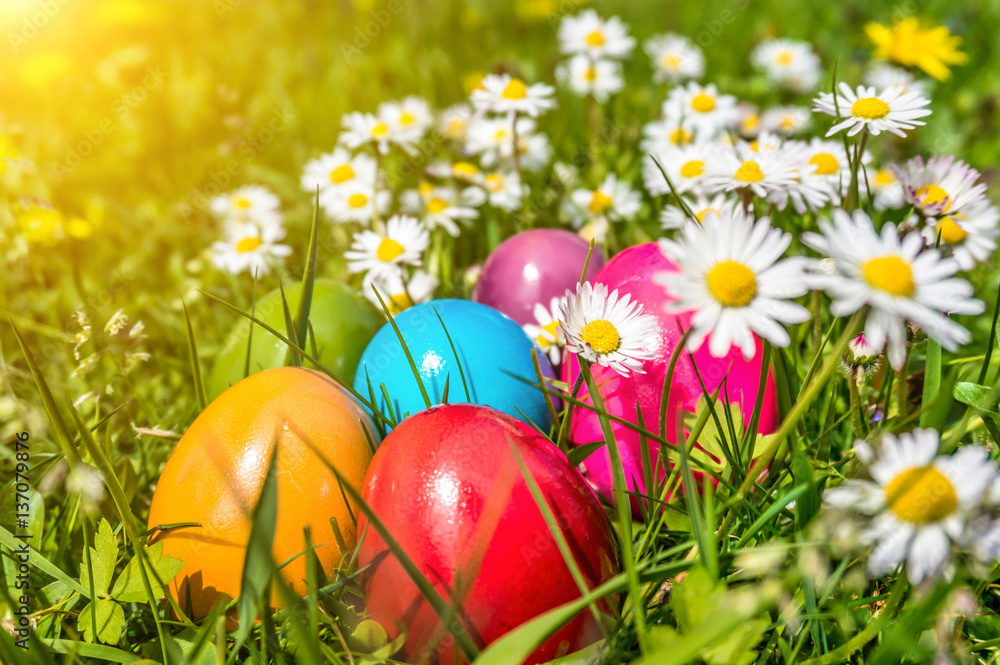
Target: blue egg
{"points": [[494, 351]]}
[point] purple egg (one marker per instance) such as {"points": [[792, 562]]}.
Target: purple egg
{"points": [[534, 267]]}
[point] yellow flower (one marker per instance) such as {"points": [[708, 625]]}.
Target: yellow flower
{"points": [[930, 49]]}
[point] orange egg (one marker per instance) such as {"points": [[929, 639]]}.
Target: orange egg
{"points": [[215, 475]]}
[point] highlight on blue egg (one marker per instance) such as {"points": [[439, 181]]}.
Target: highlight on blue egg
{"points": [[495, 355]]}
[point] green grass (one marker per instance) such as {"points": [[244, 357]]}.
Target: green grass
{"points": [[743, 574]]}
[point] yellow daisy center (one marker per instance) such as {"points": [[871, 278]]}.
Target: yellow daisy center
{"points": [[248, 244], [456, 127], [381, 129], [602, 336], [921, 495], [243, 203], [515, 90], [933, 195], [595, 38], [784, 58], [750, 122], [550, 328], [890, 274], [701, 215], [749, 171], [436, 204], [693, 169], [825, 163], [464, 170], [869, 108], [951, 232], [599, 202], [388, 250], [494, 182], [884, 177], [670, 61], [590, 74], [342, 173], [703, 103], [398, 302], [357, 201], [406, 118], [732, 283], [679, 136]]}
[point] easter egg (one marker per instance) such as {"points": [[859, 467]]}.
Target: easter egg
{"points": [[631, 272], [449, 490], [342, 321], [534, 267], [494, 354], [215, 474]]}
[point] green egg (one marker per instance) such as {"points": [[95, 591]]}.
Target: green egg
{"points": [[341, 319]]}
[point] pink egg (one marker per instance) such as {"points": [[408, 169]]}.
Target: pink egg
{"points": [[631, 272], [534, 267]]}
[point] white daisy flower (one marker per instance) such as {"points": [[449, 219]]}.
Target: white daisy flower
{"points": [[886, 189], [361, 129], [407, 119], [920, 503], [546, 332], [686, 167], [613, 199], [588, 34], [454, 122], [443, 207], [381, 254], [971, 235], [730, 275], [675, 58], [943, 185], [707, 110], [743, 168], [666, 134], [248, 247], [585, 76], [882, 76], [891, 110], [252, 203], [464, 172], [809, 190], [788, 62], [831, 163], [334, 170], [503, 94], [493, 140], [503, 190], [786, 120], [748, 125], [601, 328], [898, 279], [674, 217], [399, 292], [354, 202]]}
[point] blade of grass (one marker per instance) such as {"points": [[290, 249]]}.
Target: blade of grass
{"points": [[454, 352], [199, 385], [308, 277], [406, 350]]}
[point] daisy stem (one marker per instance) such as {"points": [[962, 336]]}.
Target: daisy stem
{"points": [[622, 502], [561, 441], [854, 195], [858, 423]]}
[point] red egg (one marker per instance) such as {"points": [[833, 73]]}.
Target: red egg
{"points": [[447, 486], [631, 272]]}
